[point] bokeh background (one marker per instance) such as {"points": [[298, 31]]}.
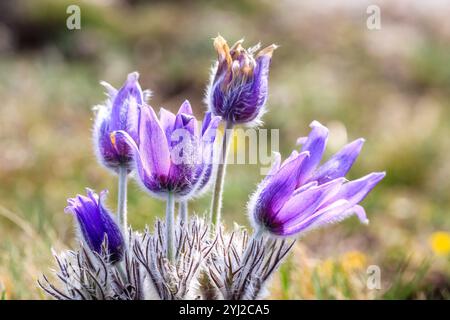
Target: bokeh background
{"points": [[391, 86]]}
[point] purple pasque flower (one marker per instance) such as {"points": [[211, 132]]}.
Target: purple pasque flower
{"points": [[120, 112], [173, 154], [299, 195], [239, 82], [96, 223]]}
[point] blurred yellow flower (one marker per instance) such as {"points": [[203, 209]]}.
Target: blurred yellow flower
{"points": [[440, 243], [353, 260], [326, 269]]}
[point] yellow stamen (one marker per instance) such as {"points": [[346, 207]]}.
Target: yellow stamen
{"points": [[112, 137], [221, 46]]}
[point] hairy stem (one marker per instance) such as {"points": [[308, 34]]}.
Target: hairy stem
{"points": [[257, 235], [216, 203], [246, 258], [170, 231], [122, 200], [183, 211]]}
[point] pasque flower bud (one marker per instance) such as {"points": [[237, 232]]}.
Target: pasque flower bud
{"points": [[120, 112], [239, 82], [96, 224]]}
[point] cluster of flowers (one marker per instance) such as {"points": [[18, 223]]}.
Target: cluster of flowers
{"points": [[174, 159]]}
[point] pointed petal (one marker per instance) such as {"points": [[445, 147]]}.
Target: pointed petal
{"points": [[315, 144], [153, 146], [167, 120], [355, 191], [339, 164], [185, 108], [206, 121], [125, 104]]}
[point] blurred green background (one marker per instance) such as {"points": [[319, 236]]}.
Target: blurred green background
{"points": [[391, 86]]}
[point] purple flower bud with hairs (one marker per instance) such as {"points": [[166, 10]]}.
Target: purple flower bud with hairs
{"points": [[96, 224], [300, 195], [173, 154], [239, 82], [120, 112]]}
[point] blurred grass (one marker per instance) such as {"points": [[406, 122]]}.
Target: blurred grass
{"points": [[390, 86]]}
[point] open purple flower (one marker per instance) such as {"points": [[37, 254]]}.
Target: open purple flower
{"points": [[173, 155], [120, 112], [96, 223], [299, 195], [239, 82]]}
